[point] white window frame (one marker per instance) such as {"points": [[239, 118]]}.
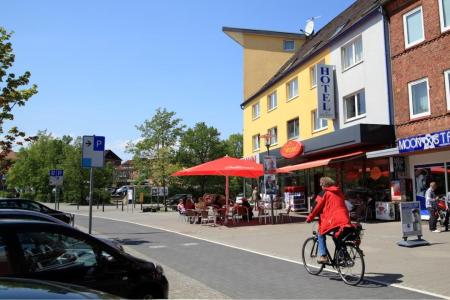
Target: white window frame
{"points": [[315, 119], [286, 49], [288, 88], [352, 44], [447, 87], [313, 73], [410, 84], [405, 28], [269, 101], [287, 127], [357, 116], [254, 115], [441, 14], [273, 132], [256, 142]]}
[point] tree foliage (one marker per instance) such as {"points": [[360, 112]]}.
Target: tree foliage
{"points": [[13, 92]]}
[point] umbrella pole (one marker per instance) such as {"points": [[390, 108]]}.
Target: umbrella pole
{"points": [[226, 199]]}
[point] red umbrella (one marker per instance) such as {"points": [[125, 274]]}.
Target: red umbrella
{"points": [[225, 166]]}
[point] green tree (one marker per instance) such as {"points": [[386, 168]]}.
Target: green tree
{"points": [[12, 93], [235, 145], [199, 145], [154, 154]]}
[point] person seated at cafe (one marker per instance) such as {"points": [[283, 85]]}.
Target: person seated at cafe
{"points": [[246, 204], [189, 204], [200, 204], [180, 207]]}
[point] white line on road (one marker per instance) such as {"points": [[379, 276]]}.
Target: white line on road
{"points": [[271, 256], [157, 246], [190, 244]]}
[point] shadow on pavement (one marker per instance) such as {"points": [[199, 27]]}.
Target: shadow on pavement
{"points": [[385, 278], [131, 242]]}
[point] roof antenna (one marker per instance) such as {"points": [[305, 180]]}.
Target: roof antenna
{"points": [[309, 27]]}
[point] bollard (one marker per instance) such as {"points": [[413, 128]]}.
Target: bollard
{"points": [[122, 205], [103, 205], [117, 204]]}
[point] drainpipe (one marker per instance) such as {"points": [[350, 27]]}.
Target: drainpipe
{"points": [[387, 52]]}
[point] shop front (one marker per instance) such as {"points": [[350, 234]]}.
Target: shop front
{"points": [[341, 155], [428, 159]]}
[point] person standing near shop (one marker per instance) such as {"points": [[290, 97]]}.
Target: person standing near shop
{"points": [[255, 196], [430, 203]]}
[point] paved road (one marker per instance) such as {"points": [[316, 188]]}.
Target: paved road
{"points": [[235, 273]]}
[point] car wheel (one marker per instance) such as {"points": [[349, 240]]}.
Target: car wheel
{"points": [[147, 293]]}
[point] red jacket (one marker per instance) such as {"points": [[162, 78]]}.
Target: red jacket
{"points": [[332, 210]]}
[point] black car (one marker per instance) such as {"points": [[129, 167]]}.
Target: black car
{"points": [[48, 251], [18, 203], [175, 199], [20, 288]]}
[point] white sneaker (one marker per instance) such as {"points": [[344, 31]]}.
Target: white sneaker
{"points": [[436, 230]]}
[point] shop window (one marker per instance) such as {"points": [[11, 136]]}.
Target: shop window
{"points": [[293, 129], [273, 133], [355, 106], [413, 27], [255, 110], [272, 101], [447, 87], [288, 45], [352, 53], [419, 100], [318, 123], [292, 89], [255, 142], [444, 11], [424, 174]]}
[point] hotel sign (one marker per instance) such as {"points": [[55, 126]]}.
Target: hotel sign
{"points": [[424, 141], [325, 91]]}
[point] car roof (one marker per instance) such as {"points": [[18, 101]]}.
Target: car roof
{"points": [[22, 212]]}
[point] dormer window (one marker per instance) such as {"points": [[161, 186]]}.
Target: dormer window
{"points": [[288, 45]]}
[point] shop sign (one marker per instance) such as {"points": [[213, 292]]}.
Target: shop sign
{"points": [[291, 149], [424, 141], [325, 91]]}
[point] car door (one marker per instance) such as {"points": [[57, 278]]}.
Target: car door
{"points": [[67, 256]]}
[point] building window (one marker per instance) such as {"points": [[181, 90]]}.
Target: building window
{"points": [[352, 53], [273, 132], [255, 111], [292, 89], [444, 11], [272, 101], [355, 106], [313, 73], [288, 45], [318, 123], [447, 87], [293, 128], [255, 142], [419, 101], [413, 27]]}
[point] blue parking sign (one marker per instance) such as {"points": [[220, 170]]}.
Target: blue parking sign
{"points": [[99, 143]]}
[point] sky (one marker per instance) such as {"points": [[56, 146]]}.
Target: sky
{"points": [[103, 67]]}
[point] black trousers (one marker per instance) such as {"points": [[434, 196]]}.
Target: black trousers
{"points": [[433, 220], [447, 213]]}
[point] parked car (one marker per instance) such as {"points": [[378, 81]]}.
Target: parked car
{"points": [[18, 203], [172, 201], [22, 214], [20, 288], [49, 251], [122, 191]]}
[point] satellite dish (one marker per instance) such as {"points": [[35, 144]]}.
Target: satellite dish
{"points": [[309, 27]]}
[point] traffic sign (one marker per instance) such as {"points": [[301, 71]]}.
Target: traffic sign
{"points": [[93, 151], [56, 177]]}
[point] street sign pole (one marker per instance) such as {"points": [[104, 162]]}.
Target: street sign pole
{"points": [[91, 187], [56, 197]]}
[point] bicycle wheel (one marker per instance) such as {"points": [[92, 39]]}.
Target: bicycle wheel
{"points": [[350, 264], [309, 256]]}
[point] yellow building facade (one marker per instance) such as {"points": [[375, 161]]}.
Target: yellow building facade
{"points": [[288, 108]]}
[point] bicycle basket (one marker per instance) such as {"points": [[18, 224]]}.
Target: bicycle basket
{"points": [[353, 233]]}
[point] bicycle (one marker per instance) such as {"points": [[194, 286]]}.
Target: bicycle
{"points": [[346, 258]]}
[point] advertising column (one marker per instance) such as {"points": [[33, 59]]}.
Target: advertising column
{"points": [[270, 180]]}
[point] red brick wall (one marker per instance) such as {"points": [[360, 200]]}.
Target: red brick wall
{"points": [[427, 59]]}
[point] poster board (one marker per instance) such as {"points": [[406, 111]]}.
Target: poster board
{"points": [[410, 217]]}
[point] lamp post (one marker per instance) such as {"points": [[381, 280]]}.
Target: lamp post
{"points": [[268, 138]]}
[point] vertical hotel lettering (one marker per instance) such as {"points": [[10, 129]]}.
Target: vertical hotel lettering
{"points": [[325, 92]]}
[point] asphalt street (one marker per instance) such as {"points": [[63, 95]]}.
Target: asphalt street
{"points": [[236, 273]]}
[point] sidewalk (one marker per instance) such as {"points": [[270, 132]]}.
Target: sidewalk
{"points": [[423, 268]]}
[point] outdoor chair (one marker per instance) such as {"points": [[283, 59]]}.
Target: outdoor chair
{"points": [[190, 215], [263, 214], [283, 215], [204, 214], [240, 212]]}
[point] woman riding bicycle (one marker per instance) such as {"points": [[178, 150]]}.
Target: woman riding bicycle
{"points": [[333, 214]]}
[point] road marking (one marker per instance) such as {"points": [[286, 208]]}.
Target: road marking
{"points": [[272, 256], [190, 244], [157, 246]]}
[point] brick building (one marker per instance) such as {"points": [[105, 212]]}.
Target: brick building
{"points": [[420, 60]]}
